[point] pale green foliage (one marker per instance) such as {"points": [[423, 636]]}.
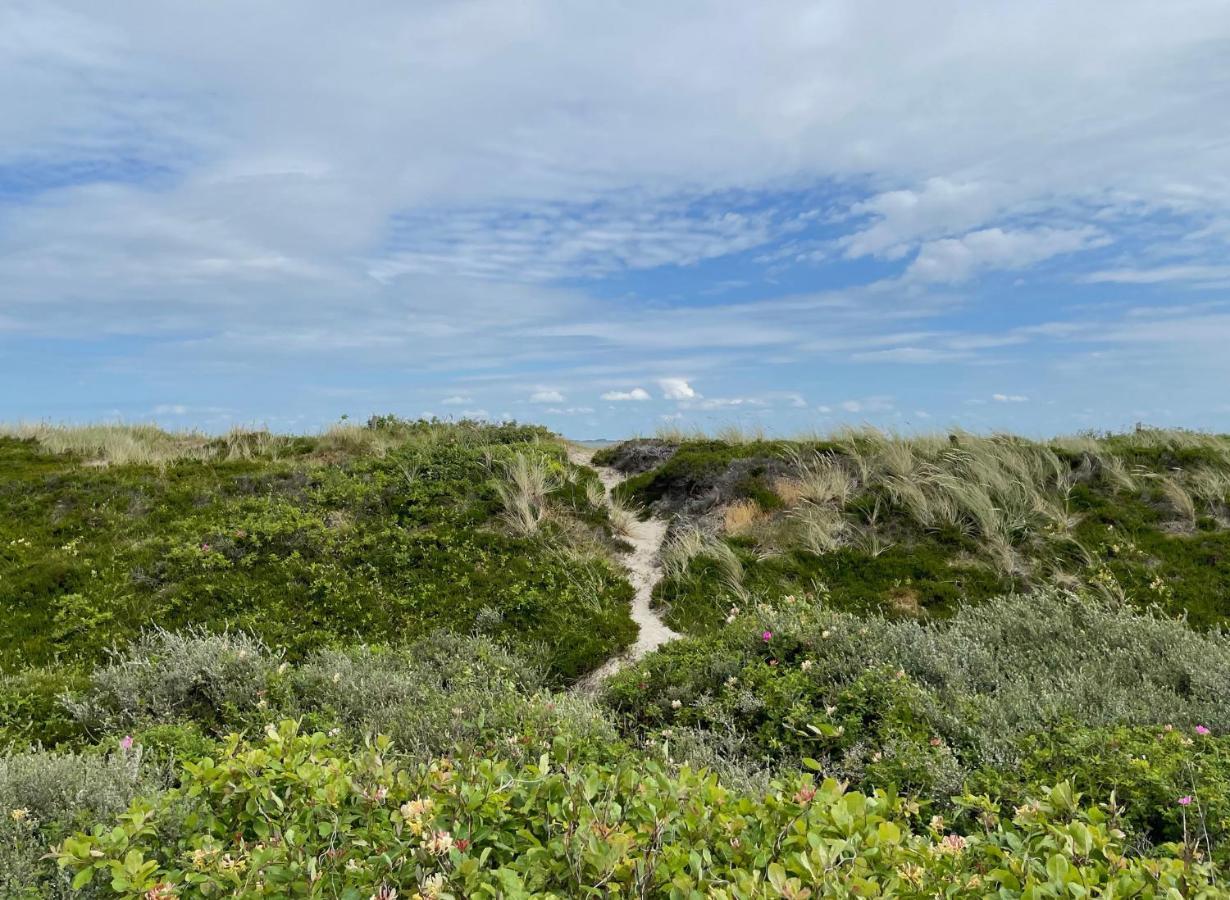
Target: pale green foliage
{"points": [[439, 692], [166, 676], [44, 794], [1021, 663]]}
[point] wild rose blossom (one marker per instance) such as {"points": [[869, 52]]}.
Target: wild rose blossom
{"points": [[1200, 729], [1185, 801]]}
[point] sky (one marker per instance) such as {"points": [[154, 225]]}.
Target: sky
{"points": [[613, 217]]}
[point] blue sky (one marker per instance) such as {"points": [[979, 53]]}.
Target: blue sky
{"points": [[607, 217]]}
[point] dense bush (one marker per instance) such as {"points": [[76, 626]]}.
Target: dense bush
{"points": [[298, 816], [1147, 769], [380, 533], [899, 702], [46, 795], [441, 693]]}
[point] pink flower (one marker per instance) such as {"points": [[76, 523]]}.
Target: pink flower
{"points": [[1185, 801], [126, 742], [1200, 729], [768, 636]]}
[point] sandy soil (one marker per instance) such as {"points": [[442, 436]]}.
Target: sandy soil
{"points": [[644, 571]]}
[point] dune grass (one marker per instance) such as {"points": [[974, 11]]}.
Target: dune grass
{"points": [[941, 516]]}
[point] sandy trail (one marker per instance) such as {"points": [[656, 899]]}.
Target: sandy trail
{"points": [[644, 571]]}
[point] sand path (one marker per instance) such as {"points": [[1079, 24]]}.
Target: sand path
{"points": [[644, 571]]}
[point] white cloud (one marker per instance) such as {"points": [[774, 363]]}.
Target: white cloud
{"points": [[404, 188], [475, 414], [170, 409], [1161, 274], [958, 259], [874, 404], [547, 395], [903, 217], [457, 400], [1009, 398], [711, 403], [676, 389], [634, 394], [570, 411]]}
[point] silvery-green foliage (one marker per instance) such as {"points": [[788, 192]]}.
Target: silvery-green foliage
{"points": [[168, 676], [44, 794], [1024, 662], [441, 691]]}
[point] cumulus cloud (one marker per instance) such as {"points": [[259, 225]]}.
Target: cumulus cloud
{"points": [[619, 396], [676, 389], [1009, 398], [547, 395]]}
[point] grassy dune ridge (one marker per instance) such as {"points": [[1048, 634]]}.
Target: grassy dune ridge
{"points": [[339, 665], [919, 525]]}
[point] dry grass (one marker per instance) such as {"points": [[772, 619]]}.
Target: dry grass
{"points": [[356, 440], [146, 444], [818, 529], [1211, 487], [1179, 499], [623, 517], [742, 516], [525, 481], [687, 544]]}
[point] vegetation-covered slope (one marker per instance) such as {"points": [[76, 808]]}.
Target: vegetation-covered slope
{"points": [[376, 533], [337, 666], [916, 526]]}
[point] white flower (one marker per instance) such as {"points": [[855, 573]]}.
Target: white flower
{"points": [[676, 704]]}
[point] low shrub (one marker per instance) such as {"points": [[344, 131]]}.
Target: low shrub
{"points": [[46, 795], [898, 702], [377, 533], [295, 815], [437, 694], [1169, 781]]}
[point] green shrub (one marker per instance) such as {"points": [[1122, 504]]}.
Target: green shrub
{"points": [[322, 547], [297, 816], [439, 693], [46, 795], [31, 708], [899, 702], [1148, 769], [210, 679]]}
